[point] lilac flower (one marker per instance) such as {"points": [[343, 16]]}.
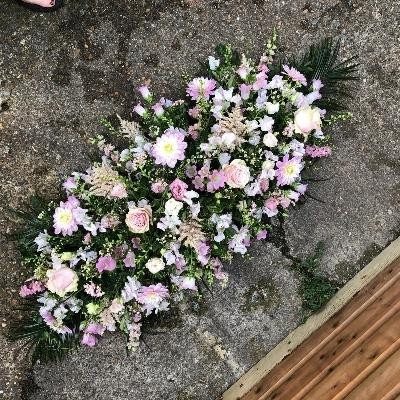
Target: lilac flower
{"points": [[158, 186], [185, 282], [217, 267], [131, 289], [105, 263], [145, 92], [91, 333], [129, 260], [240, 241], [203, 253], [261, 81], [262, 235], [288, 170], [158, 109], [153, 298], [70, 184], [271, 206], [170, 147], [140, 110], [296, 75], [201, 88], [198, 182], [191, 171], [42, 242], [216, 181], [64, 220], [245, 91]]}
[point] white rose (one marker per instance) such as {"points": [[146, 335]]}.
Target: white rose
{"points": [[172, 207], [306, 119], [155, 265], [237, 174], [270, 140]]}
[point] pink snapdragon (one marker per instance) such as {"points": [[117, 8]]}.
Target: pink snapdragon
{"points": [[296, 75], [30, 288], [318, 152], [91, 334], [201, 88]]}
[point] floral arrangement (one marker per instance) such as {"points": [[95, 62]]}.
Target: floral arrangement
{"points": [[190, 185]]}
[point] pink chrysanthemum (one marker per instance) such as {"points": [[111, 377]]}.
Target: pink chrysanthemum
{"points": [[153, 298], [296, 75], [170, 147], [64, 217], [201, 88], [288, 170]]}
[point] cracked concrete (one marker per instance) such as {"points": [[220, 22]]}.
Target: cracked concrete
{"points": [[60, 73]]}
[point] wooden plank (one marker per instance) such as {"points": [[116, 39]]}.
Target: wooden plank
{"points": [[258, 385]]}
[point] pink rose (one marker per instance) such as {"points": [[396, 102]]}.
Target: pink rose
{"points": [[178, 189], [237, 174], [62, 280], [138, 219]]}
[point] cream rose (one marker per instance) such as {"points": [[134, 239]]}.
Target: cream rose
{"points": [[155, 265], [62, 280], [306, 119], [237, 174], [138, 219]]}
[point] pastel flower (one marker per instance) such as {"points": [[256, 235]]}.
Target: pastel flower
{"points": [[129, 260], [170, 147], [91, 333], [245, 91], [271, 206], [266, 123], [191, 171], [93, 290], [155, 265], [178, 189], [237, 174], [216, 181], [62, 280], [158, 186], [140, 110], [64, 221], [243, 71], [172, 207], [30, 288], [198, 182], [288, 170], [138, 219], [318, 152], [145, 92], [201, 88], [261, 81], [70, 184], [262, 235], [307, 119], [213, 63], [153, 298], [272, 108], [270, 140], [158, 109], [106, 263], [296, 75], [119, 191]]}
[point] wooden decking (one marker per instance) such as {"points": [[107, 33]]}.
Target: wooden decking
{"points": [[355, 355]]}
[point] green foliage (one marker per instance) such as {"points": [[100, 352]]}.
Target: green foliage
{"points": [[321, 62], [42, 343], [315, 290]]}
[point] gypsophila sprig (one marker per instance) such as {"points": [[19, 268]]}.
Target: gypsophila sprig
{"points": [[198, 181]]}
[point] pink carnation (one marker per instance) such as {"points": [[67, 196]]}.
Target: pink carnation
{"points": [[178, 189]]}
